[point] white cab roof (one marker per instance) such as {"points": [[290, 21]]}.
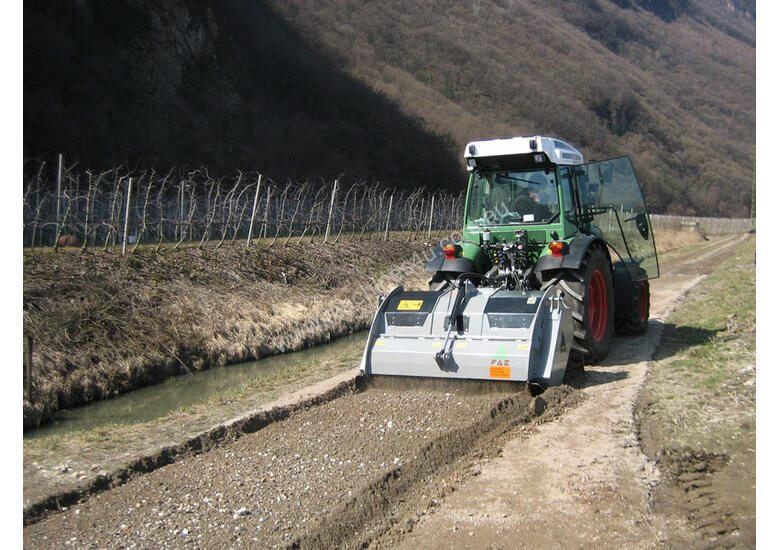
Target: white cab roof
{"points": [[558, 151]]}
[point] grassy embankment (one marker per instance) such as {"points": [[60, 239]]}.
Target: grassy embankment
{"points": [[697, 411], [704, 370], [103, 323]]}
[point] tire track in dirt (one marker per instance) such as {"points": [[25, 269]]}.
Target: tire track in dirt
{"points": [[697, 260], [691, 489]]}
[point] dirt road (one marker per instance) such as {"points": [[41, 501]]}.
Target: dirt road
{"points": [[412, 468], [581, 481]]}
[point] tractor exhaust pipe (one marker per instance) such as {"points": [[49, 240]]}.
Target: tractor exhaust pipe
{"points": [[536, 387]]}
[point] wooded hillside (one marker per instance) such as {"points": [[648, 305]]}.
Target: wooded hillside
{"points": [[393, 90]]}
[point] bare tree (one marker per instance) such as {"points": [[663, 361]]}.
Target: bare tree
{"points": [[298, 201], [210, 218], [229, 203], [311, 215], [161, 217], [194, 207], [39, 202], [264, 228], [142, 232], [280, 219], [61, 226], [344, 212], [238, 219], [186, 226], [112, 229]]}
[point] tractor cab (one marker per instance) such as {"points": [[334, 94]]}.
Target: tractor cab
{"points": [[540, 185]]}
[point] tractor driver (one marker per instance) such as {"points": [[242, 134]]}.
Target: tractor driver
{"points": [[527, 201]]}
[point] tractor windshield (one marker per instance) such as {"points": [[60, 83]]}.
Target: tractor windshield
{"points": [[503, 198]]}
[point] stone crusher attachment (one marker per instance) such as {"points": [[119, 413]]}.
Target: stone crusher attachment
{"points": [[556, 257], [470, 332]]}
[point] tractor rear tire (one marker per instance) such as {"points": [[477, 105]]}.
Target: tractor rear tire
{"points": [[591, 296], [635, 322]]}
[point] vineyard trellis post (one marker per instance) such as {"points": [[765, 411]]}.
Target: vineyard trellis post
{"points": [[86, 212], [254, 209], [330, 209], [180, 232], [389, 210], [430, 218], [127, 215], [59, 197]]}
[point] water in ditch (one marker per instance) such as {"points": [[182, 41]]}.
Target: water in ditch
{"points": [[153, 402]]}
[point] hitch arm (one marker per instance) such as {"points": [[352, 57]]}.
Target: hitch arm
{"points": [[444, 355]]}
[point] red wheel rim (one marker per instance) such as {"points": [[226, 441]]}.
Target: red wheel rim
{"points": [[597, 305], [642, 302]]}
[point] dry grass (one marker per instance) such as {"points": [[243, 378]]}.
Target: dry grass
{"points": [[104, 324], [666, 241]]}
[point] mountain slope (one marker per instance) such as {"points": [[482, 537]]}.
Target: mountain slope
{"points": [[393, 90], [225, 84], [670, 82]]}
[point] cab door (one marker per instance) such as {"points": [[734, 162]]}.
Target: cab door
{"points": [[610, 196]]}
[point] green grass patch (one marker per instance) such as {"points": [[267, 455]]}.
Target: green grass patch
{"points": [[701, 386]]}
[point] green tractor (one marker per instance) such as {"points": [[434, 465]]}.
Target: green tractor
{"points": [[556, 256]]}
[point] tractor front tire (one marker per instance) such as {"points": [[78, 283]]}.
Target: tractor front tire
{"points": [[635, 322], [591, 297]]}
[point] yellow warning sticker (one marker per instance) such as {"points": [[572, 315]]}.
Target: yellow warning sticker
{"points": [[460, 345], [500, 368], [524, 346], [380, 342], [531, 300], [410, 305], [437, 343]]}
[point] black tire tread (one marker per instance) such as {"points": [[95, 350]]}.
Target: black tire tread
{"points": [[631, 325], [575, 292]]}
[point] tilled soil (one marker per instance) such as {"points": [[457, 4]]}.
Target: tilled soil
{"points": [[324, 477]]}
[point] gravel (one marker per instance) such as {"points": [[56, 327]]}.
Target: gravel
{"points": [[272, 487]]}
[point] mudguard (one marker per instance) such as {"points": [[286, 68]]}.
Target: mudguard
{"points": [[573, 259], [438, 262]]}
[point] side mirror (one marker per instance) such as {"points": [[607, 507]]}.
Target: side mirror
{"points": [[642, 225]]}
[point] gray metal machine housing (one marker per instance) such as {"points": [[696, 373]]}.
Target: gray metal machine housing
{"points": [[471, 332]]}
